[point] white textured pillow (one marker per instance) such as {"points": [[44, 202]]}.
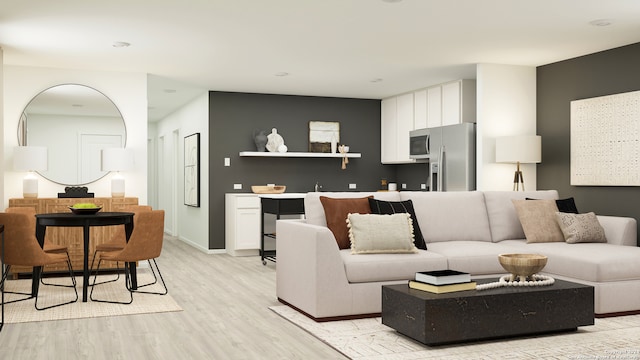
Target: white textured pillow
{"points": [[581, 228], [372, 233]]}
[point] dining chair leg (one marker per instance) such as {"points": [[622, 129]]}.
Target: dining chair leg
{"points": [[164, 285], [52, 284], [31, 296], [4, 278], [93, 285], [95, 253], [73, 285]]}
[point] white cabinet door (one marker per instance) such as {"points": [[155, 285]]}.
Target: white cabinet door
{"points": [[420, 109], [247, 229], [242, 224], [451, 103], [434, 106], [388, 132], [404, 126]]}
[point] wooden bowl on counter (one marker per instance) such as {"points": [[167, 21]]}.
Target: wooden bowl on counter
{"points": [[268, 189]]}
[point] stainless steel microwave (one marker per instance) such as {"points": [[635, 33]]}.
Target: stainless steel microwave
{"points": [[419, 144]]}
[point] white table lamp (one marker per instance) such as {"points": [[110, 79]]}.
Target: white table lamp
{"points": [[525, 149], [31, 159], [117, 159]]}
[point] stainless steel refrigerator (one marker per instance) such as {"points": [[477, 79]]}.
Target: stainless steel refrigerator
{"points": [[451, 151]]}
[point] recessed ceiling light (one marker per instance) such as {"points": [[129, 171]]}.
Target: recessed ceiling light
{"points": [[282, 73], [120, 44], [601, 22]]}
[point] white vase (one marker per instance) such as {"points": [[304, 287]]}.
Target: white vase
{"points": [[334, 144]]}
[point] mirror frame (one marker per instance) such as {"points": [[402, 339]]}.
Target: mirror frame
{"points": [[22, 129]]}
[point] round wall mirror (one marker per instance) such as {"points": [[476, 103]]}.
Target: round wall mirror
{"points": [[74, 122]]}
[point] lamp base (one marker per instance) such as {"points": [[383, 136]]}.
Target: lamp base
{"points": [[117, 187], [518, 179], [30, 186]]}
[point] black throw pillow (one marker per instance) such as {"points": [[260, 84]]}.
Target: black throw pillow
{"points": [[567, 205], [396, 207]]}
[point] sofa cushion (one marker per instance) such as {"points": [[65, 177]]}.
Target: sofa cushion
{"points": [[336, 211], [389, 267], [474, 257], [394, 207], [373, 233], [594, 262], [314, 211], [446, 216], [503, 218], [538, 220], [579, 228]]}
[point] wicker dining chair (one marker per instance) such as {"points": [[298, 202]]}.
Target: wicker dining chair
{"points": [[22, 249], [119, 238], [145, 243], [48, 246]]}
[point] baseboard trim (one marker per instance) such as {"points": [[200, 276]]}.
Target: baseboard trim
{"points": [[331, 318], [613, 314]]}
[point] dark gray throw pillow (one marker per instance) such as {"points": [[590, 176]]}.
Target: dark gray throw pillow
{"points": [[395, 207], [567, 205]]}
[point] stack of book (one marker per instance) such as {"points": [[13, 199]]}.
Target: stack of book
{"points": [[442, 281]]}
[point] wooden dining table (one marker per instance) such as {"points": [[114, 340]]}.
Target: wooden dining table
{"points": [[86, 221]]}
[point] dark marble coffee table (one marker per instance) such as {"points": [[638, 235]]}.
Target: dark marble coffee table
{"points": [[436, 319]]}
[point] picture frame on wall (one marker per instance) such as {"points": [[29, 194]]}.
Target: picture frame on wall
{"points": [[192, 170]]}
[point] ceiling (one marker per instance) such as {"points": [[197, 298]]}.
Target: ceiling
{"points": [[342, 48]]}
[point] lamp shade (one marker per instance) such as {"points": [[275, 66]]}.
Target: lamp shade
{"points": [[523, 149], [117, 159], [30, 158]]}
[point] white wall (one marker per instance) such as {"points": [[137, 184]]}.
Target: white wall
{"points": [[189, 224], [128, 91], [506, 105]]}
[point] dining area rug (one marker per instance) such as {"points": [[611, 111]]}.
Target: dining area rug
{"points": [[610, 338], [24, 311]]}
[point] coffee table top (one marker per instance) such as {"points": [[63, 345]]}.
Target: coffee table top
{"points": [[558, 285]]}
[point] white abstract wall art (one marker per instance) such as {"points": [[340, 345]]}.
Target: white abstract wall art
{"points": [[192, 170], [605, 140]]}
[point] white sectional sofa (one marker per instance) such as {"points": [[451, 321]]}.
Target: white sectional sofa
{"points": [[463, 231]]}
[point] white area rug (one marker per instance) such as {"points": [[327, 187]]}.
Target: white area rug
{"points": [[24, 311], [609, 338]]}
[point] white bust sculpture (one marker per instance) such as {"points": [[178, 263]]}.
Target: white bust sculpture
{"points": [[274, 141]]}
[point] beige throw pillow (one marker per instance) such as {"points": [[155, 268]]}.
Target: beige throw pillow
{"points": [[372, 233], [538, 220], [580, 228]]}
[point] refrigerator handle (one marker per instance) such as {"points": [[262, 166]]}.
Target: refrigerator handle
{"points": [[440, 168]]}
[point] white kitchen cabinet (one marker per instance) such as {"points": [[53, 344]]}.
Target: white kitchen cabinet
{"points": [[396, 122], [242, 224], [434, 106], [420, 109], [457, 103], [388, 120]]}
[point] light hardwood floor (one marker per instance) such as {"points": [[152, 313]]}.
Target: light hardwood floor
{"points": [[226, 316]]}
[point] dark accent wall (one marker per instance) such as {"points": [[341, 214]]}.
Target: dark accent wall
{"points": [[233, 118], [604, 73]]}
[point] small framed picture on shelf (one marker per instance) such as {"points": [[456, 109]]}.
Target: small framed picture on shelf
{"points": [[323, 135]]}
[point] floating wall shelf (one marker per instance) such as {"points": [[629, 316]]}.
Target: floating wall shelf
{"points": [[299, 154]]}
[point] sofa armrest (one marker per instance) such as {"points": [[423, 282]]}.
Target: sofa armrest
{"points": [[310, 273], [620, 230]]}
